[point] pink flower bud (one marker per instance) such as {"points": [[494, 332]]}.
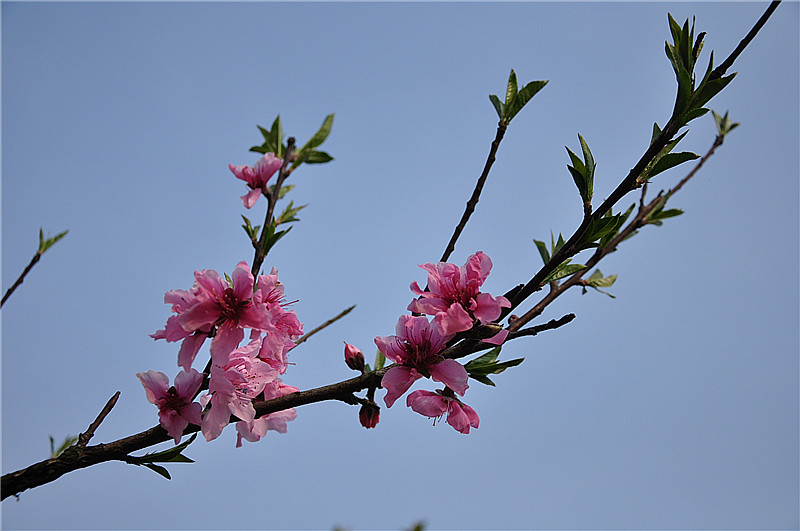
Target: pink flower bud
{"points": [[353, 357], [369, 415]]}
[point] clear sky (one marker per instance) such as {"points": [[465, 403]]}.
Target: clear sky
{"points": [[674, 405]]}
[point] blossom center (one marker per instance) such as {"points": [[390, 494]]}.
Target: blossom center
{"points": [[231, 307]]}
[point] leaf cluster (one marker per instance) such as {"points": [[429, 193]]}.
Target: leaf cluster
{"points": [[683, 53], [273, 143], [515, 98], [170, 455], [582, 172], [562, 270], [481, 367], [46, 243]]}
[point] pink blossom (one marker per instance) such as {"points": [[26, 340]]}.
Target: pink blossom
{"points": [[415, 349], [286, 327], [459, 415], [257, 176], [175, 407], [253, 430], [233, 387], [454, 298], [215, 302], [192, 340]]}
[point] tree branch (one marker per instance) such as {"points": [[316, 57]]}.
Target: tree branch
{"points": [[476, 194]]}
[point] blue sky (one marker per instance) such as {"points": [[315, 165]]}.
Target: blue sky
{"points": [[674, 405]]}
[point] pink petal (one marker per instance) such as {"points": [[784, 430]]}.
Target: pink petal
{"points": [[488, 308], [227, 339], [451, 373], [189, 349], [187, 383], [396, 381], [458, 418], [427, 403], [498, 338], [454, 320], [155, 384], [392, 348], [249, 199]]}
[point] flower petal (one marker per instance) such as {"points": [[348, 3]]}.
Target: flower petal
{"points": [[396, 381], [451, 373]]}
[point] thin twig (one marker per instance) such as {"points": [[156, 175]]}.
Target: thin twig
{"points": [[325, 324], [83, 438], [476, 194], [272, 199], [727, 63], [21, 278]]}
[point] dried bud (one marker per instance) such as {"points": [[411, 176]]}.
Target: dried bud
{"points": [[369, 415], [353, 357]]}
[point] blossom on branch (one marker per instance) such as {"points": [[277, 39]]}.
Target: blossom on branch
{"points": [[415, 348], [454, 298], [256, 176], [233, 387], [257, 428], [222, 308], [459, 415], [176, 410]]}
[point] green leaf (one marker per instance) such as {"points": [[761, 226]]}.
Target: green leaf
{"points": [[724, 125], [277, 137], [542, 251], [511, 89], [45, 244], [320, 136], [521, 98], [69, 440], [482, 366], [498, 106], [317, 157], [670, 160], [158, 469], [597, 281], [563, 270], [289, 213]]}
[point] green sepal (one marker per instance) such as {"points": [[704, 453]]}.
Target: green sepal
{"points": [[380, 360]]}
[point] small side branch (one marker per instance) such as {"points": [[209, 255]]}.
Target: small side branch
{"points": [[83, 438], [476, 194], [325, 324]]}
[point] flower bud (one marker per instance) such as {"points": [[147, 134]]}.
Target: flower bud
{"points": [[353, 357], [369, 415]]}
